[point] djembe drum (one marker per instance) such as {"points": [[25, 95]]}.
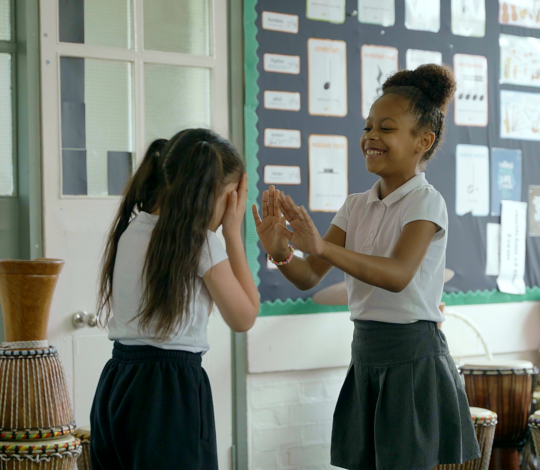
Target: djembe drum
{"points": [[484, 422], [36, 419], [83, 433], [505, 388]]}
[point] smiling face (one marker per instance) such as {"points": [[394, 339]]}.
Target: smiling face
{"points": [[389, 143]]}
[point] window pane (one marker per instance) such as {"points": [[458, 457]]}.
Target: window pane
{"points": [[97, 126], [175, 98], [5, 20], [6, 127], [97, 22], [178, 26]]}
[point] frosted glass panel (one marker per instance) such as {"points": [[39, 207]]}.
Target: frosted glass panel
{"points": [[178, 26], [6, 127], [97, 125], [97, 22], [5, 20], [175, 98]]}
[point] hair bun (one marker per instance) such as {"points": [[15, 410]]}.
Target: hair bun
{"points": [[436, 81]]}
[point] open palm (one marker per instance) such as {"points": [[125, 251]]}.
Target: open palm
{"points": [[272, 241]]}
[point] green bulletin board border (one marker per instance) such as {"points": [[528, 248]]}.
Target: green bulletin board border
{"points": [[301, 306]]}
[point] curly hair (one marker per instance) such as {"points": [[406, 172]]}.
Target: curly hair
{"points": [[429, 90]]}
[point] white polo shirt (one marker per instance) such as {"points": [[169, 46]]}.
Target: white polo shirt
{"points": [[373, 227]]}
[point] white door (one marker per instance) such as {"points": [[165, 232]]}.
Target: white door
{"points": [[116, 74]]}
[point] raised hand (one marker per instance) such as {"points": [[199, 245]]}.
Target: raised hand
{"points": [[305, 237], [236, 208], [275, 244]]}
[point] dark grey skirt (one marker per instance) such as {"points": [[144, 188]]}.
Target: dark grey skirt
{"points": [[403, 405]]}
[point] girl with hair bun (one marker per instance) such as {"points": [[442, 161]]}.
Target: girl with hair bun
{"points": [[402, 406]]}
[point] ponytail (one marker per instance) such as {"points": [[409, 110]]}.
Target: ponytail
{"points": [[140, 194]]}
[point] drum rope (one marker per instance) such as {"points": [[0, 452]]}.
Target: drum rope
{"points": [[25, 344], [42, 458]]}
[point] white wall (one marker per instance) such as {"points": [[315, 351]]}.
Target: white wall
{"points": [[297, 364]]}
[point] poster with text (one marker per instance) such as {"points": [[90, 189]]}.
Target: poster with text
{"points": [[520, 115], [382, 12], [469, 18], [525, 13], [332, 11], [472, 180], [506, 177], [328, 172], [423, 15], [327, 75], [471, 99], [377, 63], [534, 211], [520, 60], [415, 58]]}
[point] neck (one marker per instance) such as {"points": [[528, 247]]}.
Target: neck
{"points": [[390, 183]]}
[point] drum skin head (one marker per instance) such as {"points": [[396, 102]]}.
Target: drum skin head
{"points": [[497, 365]]}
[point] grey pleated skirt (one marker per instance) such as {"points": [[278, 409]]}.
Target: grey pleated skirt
{"points": [[403, 405]]}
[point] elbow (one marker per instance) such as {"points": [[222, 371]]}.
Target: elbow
{"points": [[398, 284], [248, 320]]}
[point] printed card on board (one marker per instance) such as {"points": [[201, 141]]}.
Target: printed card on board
{"points": [[506, 177], [282, 138], [282, 100], [472, 180], [423, 15], [382, 12], [280, 22], [416, 57], [332, 11], [534, 211], [525, 13], [328, 172], [280, 174], [493, 249], [471, 100], [520, 115], [469, 18], [327, 75], [520, 60], [280, 63], [377, 63]]}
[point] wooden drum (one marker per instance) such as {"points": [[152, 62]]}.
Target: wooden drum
{"points": [[485, 422], [34, 397], [505, 388], [83, 433], [55, 454]]}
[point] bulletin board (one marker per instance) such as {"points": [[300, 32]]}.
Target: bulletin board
{"points": [[492, 136]]}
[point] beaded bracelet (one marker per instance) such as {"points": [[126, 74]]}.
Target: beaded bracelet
{"points": [[284, 262]]}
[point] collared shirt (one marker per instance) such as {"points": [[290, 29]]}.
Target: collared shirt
{"points": [[373, 227], [128, 288]]}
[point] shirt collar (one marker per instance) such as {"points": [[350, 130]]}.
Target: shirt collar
{"points": [[415, 182]]}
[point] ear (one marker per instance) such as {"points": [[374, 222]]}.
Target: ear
{"points": [[425, 142]]}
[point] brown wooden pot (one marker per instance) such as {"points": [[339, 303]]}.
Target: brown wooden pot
{"points": [[26, 292]]}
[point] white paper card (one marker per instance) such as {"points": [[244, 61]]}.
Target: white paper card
{"points": [[283, 100], [377, 63], [520, 115], [282, 138], [520, 60], [469, 18], [472, 180], [525, 13], [513, 238], [277, 174], [328, 172], [423, 15], [280, 22], [493, 249], [326, 10], [280, 63], [327, 75], [416, 57], [381, 12], [471, 100]]}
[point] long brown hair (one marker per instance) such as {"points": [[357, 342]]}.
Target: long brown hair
{"points": [[184, 178]]}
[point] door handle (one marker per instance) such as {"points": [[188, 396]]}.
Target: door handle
{"points": [[81, 319]]}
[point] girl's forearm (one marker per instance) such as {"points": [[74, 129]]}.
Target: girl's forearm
{"points": [[299, 273], [240, 268], [386, 273]]}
